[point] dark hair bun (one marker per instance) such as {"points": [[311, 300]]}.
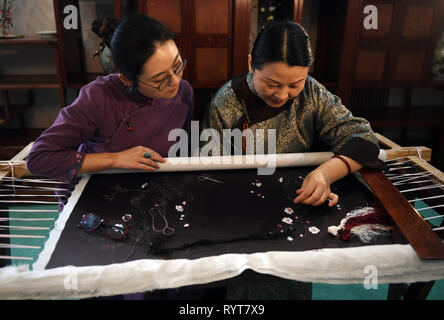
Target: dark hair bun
{"points": [[285, 41], [104, 28]]}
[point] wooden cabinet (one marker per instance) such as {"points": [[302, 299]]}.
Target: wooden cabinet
{"points": [[68, 60], [211, 34], [71, 48], [396, 54], [29, 82], [363, 65]]}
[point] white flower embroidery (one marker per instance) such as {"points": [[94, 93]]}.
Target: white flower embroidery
{"points": [[314, 230], [287, 220]]}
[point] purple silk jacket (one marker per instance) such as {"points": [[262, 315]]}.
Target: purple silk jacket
{"points": [[106, 117]]}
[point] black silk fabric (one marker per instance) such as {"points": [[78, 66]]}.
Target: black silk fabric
{"points": [[187, 215]]}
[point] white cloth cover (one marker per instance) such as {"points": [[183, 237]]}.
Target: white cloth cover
{"points": [[387, 263]]}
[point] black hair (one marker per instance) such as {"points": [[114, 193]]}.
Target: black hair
{"points": [[282, 41], [132, 41]]}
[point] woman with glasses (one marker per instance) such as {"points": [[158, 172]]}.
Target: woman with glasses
{"points": [[121, 120], [278, 93]]}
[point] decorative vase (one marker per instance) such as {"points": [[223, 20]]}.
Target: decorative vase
{"points": [[6, 25], [438, 60], [107, 61]]}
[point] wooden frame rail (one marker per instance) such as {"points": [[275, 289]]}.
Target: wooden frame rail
{"points": [[426, 243]]}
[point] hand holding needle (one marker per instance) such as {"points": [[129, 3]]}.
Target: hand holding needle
{"points": [[205, 176]]}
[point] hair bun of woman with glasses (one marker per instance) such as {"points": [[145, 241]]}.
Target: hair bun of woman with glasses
{"points": [[119, 118], [105, 28]]}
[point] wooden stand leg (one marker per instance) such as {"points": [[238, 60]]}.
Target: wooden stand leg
{"points": [[62, 92], [440, 155], [396, 291], [6, 107], [419, 290], [414, 291]]}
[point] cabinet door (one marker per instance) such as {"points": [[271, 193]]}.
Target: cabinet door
{"points": [[71, 50], [204, 30], [166, 11], [403, 41], [417, 34], [398, 52], [212, 42]]}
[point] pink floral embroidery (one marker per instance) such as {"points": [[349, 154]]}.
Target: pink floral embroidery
{"points": [[72, 172]]}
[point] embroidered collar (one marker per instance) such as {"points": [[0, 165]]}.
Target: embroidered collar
{"points": [[134, 95]]}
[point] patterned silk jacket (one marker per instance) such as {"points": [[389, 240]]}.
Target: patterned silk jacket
{"points": [[314, 120]]}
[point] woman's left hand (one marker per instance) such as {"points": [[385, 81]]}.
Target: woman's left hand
{"points": [[315, 190]]}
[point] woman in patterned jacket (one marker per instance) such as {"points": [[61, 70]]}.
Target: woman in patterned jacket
{"points": [[277, 93]]}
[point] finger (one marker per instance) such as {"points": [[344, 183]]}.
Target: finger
{"points": [[304, 183], [154, 155], [334, 198], [304, 193], [149, 162], [144, 167], [314, 197], [322, 199], [148, 153]]}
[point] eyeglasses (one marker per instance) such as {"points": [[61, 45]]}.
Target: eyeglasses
{"points": [[165, 82], [116, 229]]}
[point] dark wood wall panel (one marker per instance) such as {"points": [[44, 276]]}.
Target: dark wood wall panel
{"points": [[399, 52], [167, 11], [205, 36], [71, 49], [211, 66], [213, 16], [410, 65], [385, 18], [418, 21], [370, 64], [241, 36]]}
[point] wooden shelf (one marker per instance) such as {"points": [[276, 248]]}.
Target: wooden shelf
{"points": [[12, 141], [404, 123], [397, 84], [77, 80], [23, 82], [35, 41], [11, 82], [438, 84], [30, 81], [47, 81], [420, 116]]}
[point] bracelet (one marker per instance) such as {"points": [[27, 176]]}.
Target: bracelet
{"points": [[345, 161]]}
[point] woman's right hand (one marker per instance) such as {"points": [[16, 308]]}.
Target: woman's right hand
{"points": [[134, 158]]}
